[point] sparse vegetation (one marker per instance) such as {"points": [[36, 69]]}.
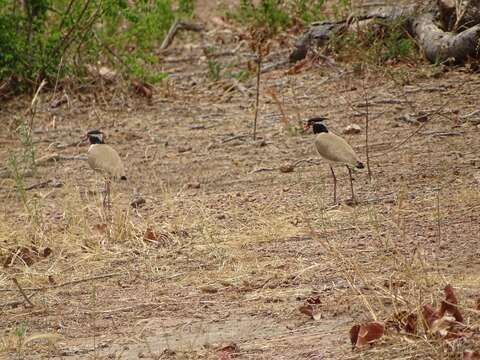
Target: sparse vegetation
{"points": [[277, 14], [49, 39], [379, 43], [234, 250], [214, 70]]}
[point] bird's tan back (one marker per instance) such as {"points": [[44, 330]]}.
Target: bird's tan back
{"points": [[335, 149], [103, 158]]}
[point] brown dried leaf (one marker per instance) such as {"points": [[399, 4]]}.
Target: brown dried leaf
{"points": [[142, 88], [354, 335], [150, 235], [369, 332], [471, 355], [306, 309], [225, 352], [51, 280], [449, 304], [477, 307], [411, 323]]}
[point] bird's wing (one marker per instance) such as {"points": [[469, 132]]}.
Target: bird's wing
{"points": [[104, 158], [335, 149]]}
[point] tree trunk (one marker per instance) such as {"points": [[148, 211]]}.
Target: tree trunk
{"points": [[440, 46], [445, 31]]}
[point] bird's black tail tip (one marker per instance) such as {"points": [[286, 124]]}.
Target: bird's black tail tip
{"points": [[360, 165], [125, 178]]}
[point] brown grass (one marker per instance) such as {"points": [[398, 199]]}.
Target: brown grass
{"points": [[234, 253]]}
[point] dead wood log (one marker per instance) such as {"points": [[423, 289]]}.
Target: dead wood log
{"points": [[444, 31], [319, 33], [440, 46]]}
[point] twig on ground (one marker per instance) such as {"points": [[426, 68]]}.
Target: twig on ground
{"points": [[291, 166], [22, 292], [68, 283], [38, 185], [236, 137], [262, 169], [442, 133]]}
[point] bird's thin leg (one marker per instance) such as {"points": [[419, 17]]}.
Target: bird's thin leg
{"points": [[334, 185], [351, 183], [106, 197]]}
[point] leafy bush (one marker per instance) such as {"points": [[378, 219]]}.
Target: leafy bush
{"points": [[277, 14], [50, 38], [380, 42]]}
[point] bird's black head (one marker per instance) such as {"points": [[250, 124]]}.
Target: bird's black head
{"points": [[95, 137], [316, 124]]}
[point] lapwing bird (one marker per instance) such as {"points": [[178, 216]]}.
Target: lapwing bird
{"points": [[335, 150], [105, 160]]}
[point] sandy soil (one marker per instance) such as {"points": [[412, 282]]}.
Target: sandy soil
{"points": [[227, 247]]}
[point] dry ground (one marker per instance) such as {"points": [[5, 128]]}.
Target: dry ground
{"points": [[239, 246]]}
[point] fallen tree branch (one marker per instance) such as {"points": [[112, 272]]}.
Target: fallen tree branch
{"points": [[176, 26], [43, 184]]}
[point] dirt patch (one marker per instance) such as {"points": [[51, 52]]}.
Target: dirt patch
{"points": [[239, 245]]}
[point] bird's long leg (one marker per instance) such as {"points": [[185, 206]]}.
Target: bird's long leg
{"points": [[334, 185], [351, 183], [106, 197]]}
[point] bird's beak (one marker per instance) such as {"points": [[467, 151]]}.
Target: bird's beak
{"points": [[306, 127]]}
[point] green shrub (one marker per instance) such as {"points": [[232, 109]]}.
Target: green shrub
{"points": [[277, 15], [308, 11], [50, 38], [381, 42]]}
